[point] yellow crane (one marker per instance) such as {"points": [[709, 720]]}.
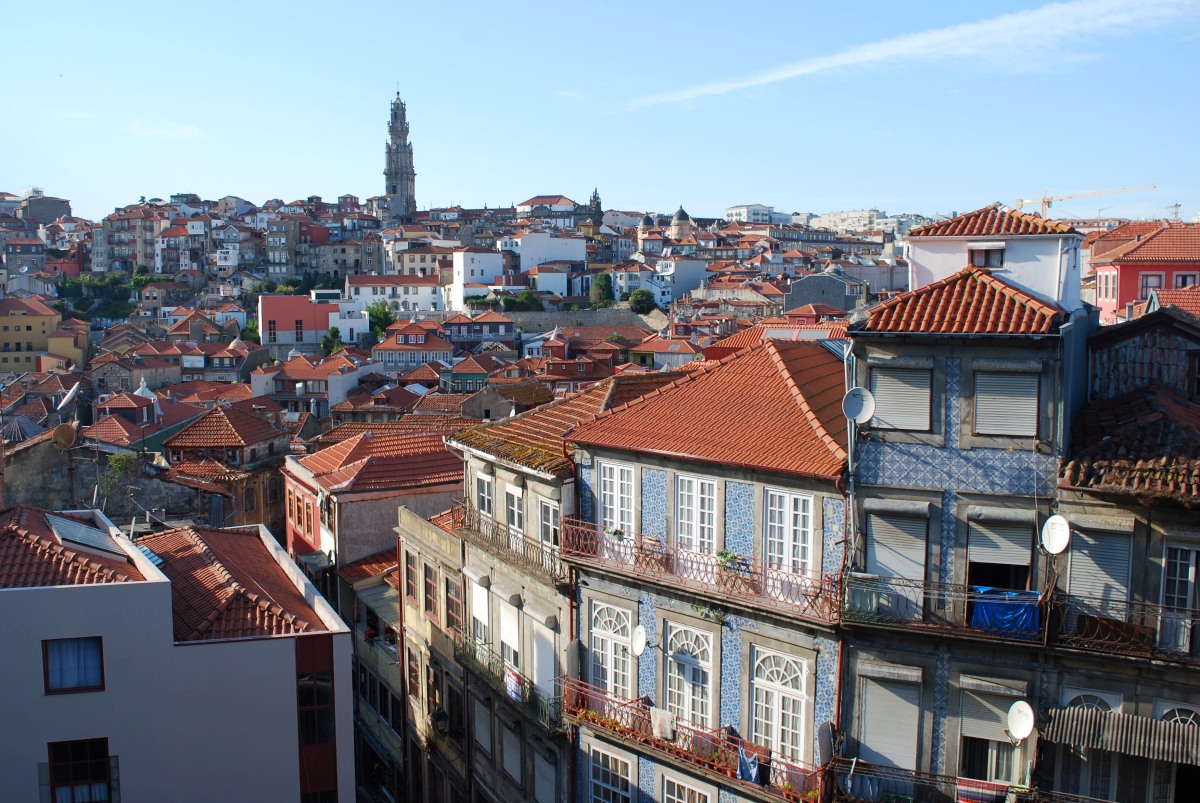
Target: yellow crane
{"points": [[1047, 201]]}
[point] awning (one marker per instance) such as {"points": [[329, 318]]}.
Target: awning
{"points": [[315, 561], [1125, 734], [383, 600]]}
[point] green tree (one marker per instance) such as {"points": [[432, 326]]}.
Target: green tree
{"points": [[602, 290], [120, 470], [332, 341], [641, 301], [269, 286], [381, 316], [250, 332]]}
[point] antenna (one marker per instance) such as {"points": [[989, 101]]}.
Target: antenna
{"points": [[1056, 535], [1174, 210], [639, 641], [858, 405], [1020, 722]]}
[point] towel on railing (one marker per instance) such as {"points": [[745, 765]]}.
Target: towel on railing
{"points": [[662, 724], [747, 766]]}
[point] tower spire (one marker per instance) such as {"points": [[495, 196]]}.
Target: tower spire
{"points": [[399, 176]]}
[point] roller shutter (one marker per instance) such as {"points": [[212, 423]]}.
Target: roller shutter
{"points": [[1100, 565], [890, 714], [1006, 404], [902, 398], [985, 716], [997, 542]]}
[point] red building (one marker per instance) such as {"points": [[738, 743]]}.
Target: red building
{"points": [[1138, 258]]}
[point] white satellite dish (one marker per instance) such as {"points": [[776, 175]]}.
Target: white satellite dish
{"points": [[1020, 720], [639, 641], [858, 405], [824, 743], [1056, 535], [70, 397]]}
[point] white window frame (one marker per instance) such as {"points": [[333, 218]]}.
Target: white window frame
{"points": [[779, 691], [788, 532], [617, 495], [695, 514], [610, 633], [510, 636], [1144, 288], [676, 791], [484, 495], [610, 777], [514, 508], [549, 524], [689, 674]]}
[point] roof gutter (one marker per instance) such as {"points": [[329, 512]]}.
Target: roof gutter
{"points": [[834, 478]]}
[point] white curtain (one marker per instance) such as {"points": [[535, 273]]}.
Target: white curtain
{"points": [[73, 663]]}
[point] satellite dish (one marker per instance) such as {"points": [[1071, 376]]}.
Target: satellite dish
{"points": [[858, 405], [639, 641], [70, 397], [824, 743], [63, 436], [1056, 535], [1020, 720]]}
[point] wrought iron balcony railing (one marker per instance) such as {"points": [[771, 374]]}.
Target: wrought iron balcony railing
{"points": [[1129, 628], [543, 709], [726, 578], [964, 609], [857, 781], [530, 554], [715, 752], [1045, 796]]}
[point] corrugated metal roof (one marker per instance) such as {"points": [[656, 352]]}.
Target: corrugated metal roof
{"points": [[1123, 733], [79, 533], [384, 600]]}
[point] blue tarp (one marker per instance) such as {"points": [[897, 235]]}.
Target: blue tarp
{"points": [[1003, 611]]}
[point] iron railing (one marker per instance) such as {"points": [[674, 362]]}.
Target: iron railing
{"points": [[1129, 628], [1046, 796], [480, 658], [716, 752], [945, 607], [855, 781], [727, 578], [527, 553]]}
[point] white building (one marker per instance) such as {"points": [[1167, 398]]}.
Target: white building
{"points": [[405, 293], [675, 277], [749, 213], [535, 247], [197, 665], [475, 271], [1038, 256], [853, 220]]}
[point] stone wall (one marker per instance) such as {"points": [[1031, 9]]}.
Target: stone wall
{"points": [[616, 315]]}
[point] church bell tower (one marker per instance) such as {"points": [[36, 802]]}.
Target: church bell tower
{"points": [[398, 173]]}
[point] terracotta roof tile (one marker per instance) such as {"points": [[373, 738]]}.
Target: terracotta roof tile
{"points": [[969, 302], [441, 402], [1186, 298], [372, 461], [31, 555], [225, 584], [224, 426], [1171, 242], [370, 566], [996, 219], [428, 422], [535, 439], [785, 397]]}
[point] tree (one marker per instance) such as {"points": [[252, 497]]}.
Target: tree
{"points": [[641, 301], [381, 316], [602, 290], [332, 341], [250, 332]]}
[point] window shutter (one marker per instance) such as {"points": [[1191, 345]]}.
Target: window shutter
{"points": [[479, 603], [1006, 404], [896, 546], [1100, 565], [543, 658], [902, 398], [994, 542], [890, 713], [545, 787], [509, 627], [985, 716]]}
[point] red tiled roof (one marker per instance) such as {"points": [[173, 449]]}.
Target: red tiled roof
{"points": [[225, 584], [224, 426], [535, 439], [786, 400], [31, 555], [370, 566], [1172, 242], [397, 398], [1186, 298], [441, 402], [373, 461], [817, 309], [1143, 445], [114, 429], [25, 306], [971, 301], [781, 330], [996, 219]]}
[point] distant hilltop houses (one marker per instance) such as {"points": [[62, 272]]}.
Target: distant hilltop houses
{"points": [[553, 501]]}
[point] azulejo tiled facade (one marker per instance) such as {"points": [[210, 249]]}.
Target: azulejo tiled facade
{"points": [[739, 517]]}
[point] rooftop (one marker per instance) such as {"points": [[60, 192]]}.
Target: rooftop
{"points": [[993, 220], [36, 550]]}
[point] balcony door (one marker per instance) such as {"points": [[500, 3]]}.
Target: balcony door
{"points": [[696, 527], [896, 556], [787, 545], [689, 675], [1179, 600], [610, 633], [889, 717]]}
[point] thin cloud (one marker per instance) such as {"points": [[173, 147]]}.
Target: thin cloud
{"points": [[164, 130], [1023, 39]]}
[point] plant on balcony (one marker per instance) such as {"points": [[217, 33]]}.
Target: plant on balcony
{"points": [[728, 558], [616, 532], [711, 614]]}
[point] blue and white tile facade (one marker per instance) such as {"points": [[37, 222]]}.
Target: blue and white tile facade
{"points": [[654, 503], [739, 517]]}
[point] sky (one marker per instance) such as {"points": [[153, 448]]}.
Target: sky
{"points": [[924, 107]]}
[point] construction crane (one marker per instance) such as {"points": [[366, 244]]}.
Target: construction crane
{"points": [[1046, 201]]}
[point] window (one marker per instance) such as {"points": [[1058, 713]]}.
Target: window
{"points": [[695, 518], [1178, 598], [299, 331], [998, 555], [677, 792], [788, 536], [610, 631], [1148, 282], [510, 636], [549, 528], [689, 669], [616, 497], [413, 676], [480, 620], [1185, 279], [454, 604], [986, 257], [777, 692], [1006, 404], [985, 752], [410, 576], [79, 771], [315, 707], [609, 778], [483, 494], [1087, 771], [483, 725], [431, 588], [902, 398], [511, 747], [73, 664]]}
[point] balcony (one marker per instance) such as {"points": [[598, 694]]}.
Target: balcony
{"points": [[965, 610], [713, 753], [1044, 796], [1141, 629], [857, 781], [724, 578], [544, 710], [532, 555]]}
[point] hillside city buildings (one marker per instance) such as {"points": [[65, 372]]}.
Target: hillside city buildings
{"points": [[557, 502]]}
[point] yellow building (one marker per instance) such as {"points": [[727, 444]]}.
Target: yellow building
{"points": [[25, 327]]}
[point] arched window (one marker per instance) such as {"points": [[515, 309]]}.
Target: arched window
{"points": [[689, 670], [1090, 702], [610, 632], [777, 691], [1185, 716]]}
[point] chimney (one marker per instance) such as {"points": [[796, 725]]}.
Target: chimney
{"points": [[260, 410]]}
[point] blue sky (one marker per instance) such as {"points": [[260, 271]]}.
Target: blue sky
{"points": [[922, 107]]}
